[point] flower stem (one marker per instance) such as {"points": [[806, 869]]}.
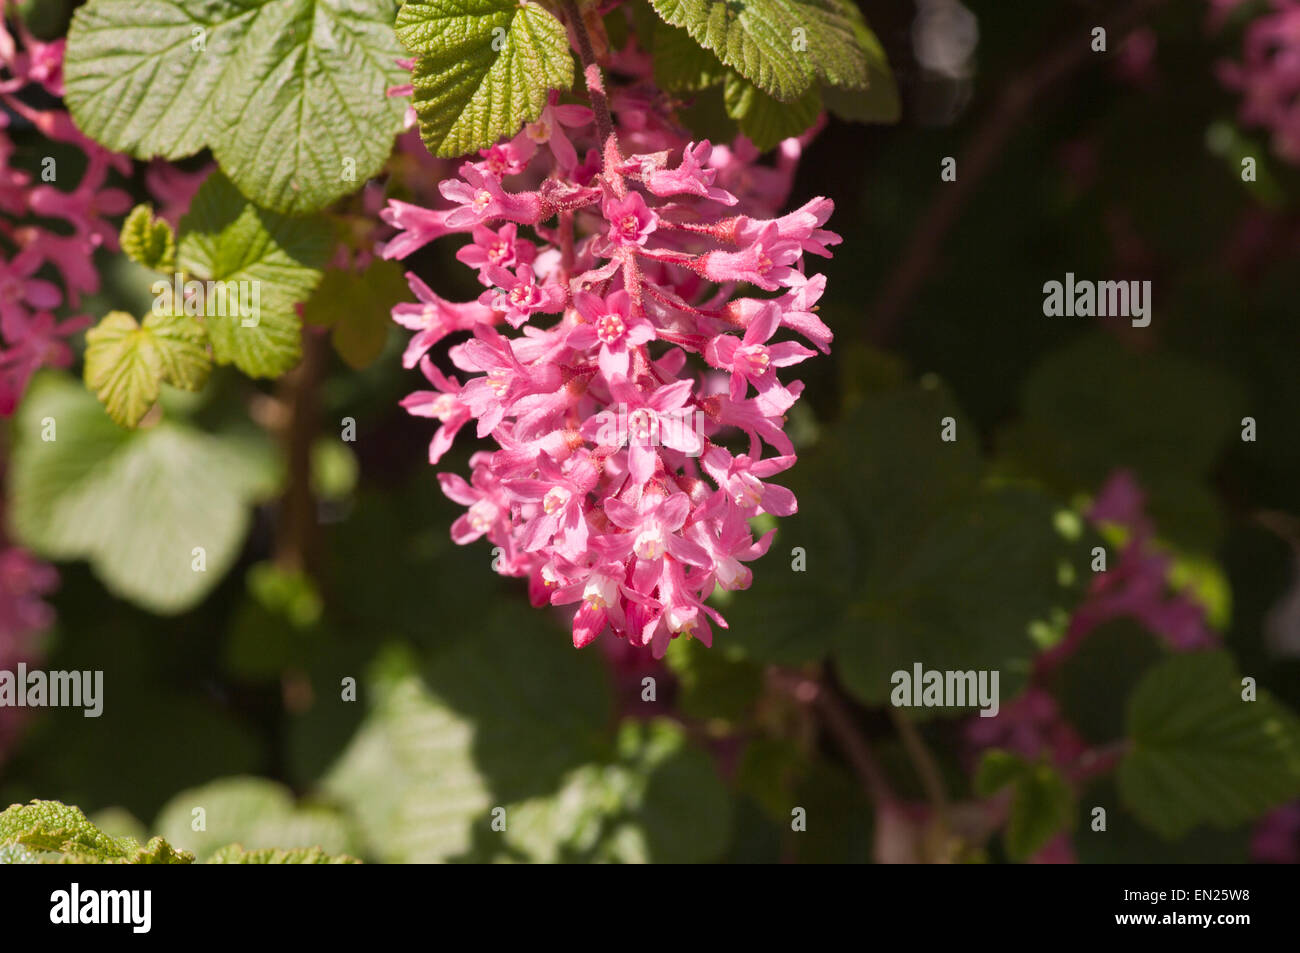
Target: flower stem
{"points": [[591, 73]]}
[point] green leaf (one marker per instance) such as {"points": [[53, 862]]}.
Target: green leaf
{"points": [[1041, 807], [1042, 803], [681, 65], [358, 308], [879, 101], [485, 68], [438, 752], [149, 241], [267, 261], [1094, 406], [257, 814], [234, 854], [126, 364], [1093, 684], [509, 717], [136, 504], [998, 769], [290, 95], [785, 47], [1200, 753], [659, 801], [122, 367], [908, 557], [54, 828], [713, 683], [765, 120]]}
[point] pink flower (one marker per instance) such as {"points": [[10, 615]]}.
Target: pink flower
{"points": [[764, 262], [520, 296], [480, 197], [417, 226], [803, 225], [443, 404], [433, 319], [630, 220], [497, 253], [19, 290], [488, 502], [548, 129], [741, 479], [753, 360], [691, 177], [610, 325]]}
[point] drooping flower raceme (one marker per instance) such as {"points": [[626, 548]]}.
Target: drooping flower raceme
{"points": [[636, 397], [33, 248]]}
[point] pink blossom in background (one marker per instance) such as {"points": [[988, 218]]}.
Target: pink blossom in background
{"points": [[1137, 587], [1276, 839], [33, 250], [1268, 75], [24, 615], [594, 358]]}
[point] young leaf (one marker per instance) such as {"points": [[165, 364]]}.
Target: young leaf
{"points": [[123, 367], [182, 345], [234, 854], [485, 68], [290, 95], [49, 827], [1201, 754], [126, 364], [271, 259], [149, 241], [136, 504], [784, 47]]}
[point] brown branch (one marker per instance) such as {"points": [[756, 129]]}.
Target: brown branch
{"points": [[927, 769], [839, 722], [980, 155], [299, 391]]}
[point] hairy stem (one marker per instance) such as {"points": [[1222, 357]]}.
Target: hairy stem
{"points": [[591, 73]]}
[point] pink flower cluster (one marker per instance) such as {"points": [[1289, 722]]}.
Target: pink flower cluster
{"points": [[1268, 76], [46, 230], [623, 479]]}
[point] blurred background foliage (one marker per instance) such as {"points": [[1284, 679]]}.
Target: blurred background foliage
{"points": [[227, 689]]}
